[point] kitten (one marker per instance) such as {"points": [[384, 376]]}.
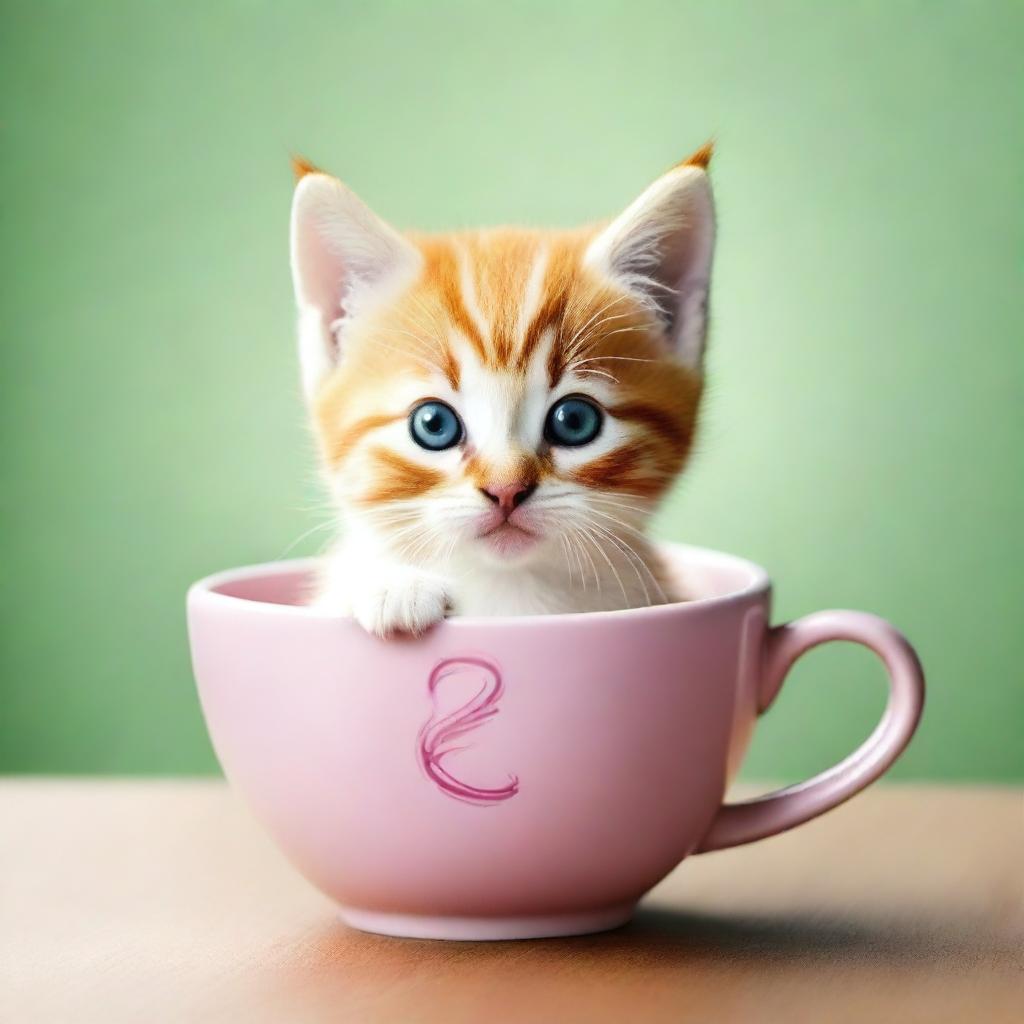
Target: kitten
{"points": [[498, 412]]}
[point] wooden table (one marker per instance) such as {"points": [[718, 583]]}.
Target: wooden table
{"points": [[162, 901]]}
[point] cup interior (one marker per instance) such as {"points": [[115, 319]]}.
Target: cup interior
{"points": [[701, 574]]}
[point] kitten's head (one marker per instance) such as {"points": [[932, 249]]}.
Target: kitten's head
{"points": [[503, 395]]}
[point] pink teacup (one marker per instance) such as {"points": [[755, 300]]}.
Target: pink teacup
{"points": [[515, 777]]}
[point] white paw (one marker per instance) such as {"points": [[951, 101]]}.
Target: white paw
{"points": [[409, 602]]}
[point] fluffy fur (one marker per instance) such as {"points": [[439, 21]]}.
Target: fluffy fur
{"points": [[499, 324]]}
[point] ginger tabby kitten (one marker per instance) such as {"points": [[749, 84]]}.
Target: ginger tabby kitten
{"points": [[499, 412]]}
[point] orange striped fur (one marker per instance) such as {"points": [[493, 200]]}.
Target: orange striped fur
{"points": [[656, 397]]}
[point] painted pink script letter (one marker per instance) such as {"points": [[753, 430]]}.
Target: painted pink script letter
{"points": [[437, 734]]}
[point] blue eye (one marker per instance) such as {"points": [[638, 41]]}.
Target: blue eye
{"points": [[435, 426], [572, 422]]}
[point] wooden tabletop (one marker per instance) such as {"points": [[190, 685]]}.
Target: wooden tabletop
{"points": [[162, 901]]}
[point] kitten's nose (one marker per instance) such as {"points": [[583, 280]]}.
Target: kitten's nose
{"points": [[508, 496]]}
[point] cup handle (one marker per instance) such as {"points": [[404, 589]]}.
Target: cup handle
{"points": [[767, 815]]}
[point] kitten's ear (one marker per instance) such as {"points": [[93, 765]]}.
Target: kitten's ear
{"points": [[343, 258], [661, 247]]}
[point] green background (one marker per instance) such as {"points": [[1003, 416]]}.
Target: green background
{"points": [[865, 422]]}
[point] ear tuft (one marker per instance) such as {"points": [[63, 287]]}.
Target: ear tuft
{"points": [[301, 167], [702, 158]]}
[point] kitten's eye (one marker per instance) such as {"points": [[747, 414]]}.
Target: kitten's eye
{"points": [[435, 426], [572, 422]]}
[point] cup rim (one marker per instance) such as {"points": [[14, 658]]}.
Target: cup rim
{"points": [[207, 590]]}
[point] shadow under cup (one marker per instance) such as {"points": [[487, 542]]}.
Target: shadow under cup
{"points": [[515, 777]]}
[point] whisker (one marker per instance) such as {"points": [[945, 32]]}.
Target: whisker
{"points": [[578, 551], [599, 373], [577, 536], [614, 519], [606, 499], [635, 557], [589, 533], [565, 553], [425, 363], [582, 342], [612, 538], [302, 536], [592, 330], [620, 359], [424, 345], [608, 305]]}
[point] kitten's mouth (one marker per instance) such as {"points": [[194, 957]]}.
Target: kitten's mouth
{"points": [[509, 540]]}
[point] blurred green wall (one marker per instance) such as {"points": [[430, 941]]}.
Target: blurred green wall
{"points": [[865, 423]]}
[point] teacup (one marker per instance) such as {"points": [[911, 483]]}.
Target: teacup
{"points": [[515, 777]]}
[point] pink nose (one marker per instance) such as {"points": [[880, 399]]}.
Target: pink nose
{"points": [[508, 496]]}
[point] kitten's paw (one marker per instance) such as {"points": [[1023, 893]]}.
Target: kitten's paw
{"points": [[406, 603]]}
